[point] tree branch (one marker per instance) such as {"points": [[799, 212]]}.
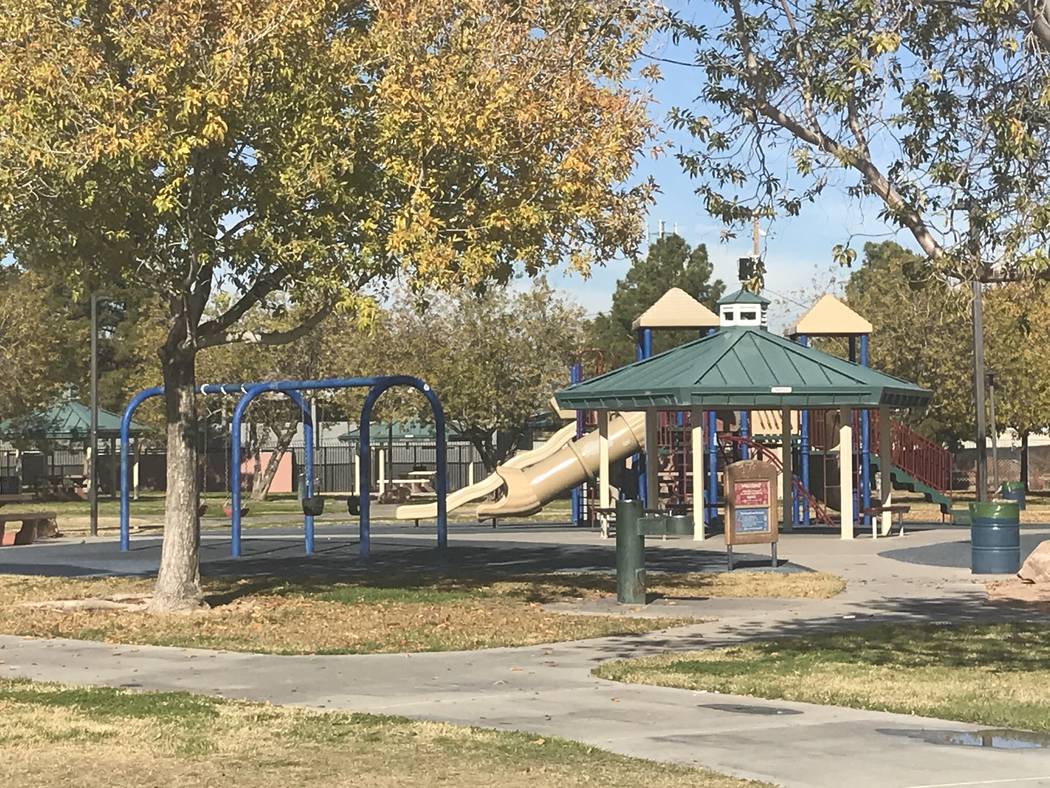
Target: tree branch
{"points": [[268, 337], [878, 182], [253, 295]]}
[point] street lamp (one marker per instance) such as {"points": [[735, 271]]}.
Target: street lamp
{"points": [[93, 439]]}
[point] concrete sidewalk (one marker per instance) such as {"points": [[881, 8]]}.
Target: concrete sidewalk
{"points": [[550, 690]]}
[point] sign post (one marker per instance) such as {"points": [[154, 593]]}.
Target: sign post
{"points": [[751, 506]]}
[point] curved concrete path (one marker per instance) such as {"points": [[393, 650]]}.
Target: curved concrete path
{"points": [[550, 690]]}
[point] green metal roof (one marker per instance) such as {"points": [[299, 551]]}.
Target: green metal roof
{"points": [[400, 431], [743, 297], [70, 421], [739, 367]]}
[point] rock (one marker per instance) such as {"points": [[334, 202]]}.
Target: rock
{"points": [[1036, 568]]}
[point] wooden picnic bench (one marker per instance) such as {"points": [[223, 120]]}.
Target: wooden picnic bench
{"points": [[35, 525], [896, 511]]}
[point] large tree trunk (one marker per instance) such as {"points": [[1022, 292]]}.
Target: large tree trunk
{"points": [[262, 481], [178, 585]]}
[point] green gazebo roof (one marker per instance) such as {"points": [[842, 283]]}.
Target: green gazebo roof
{"points": [[401, 431], [71, 421], [743, 297], [739, 367]]}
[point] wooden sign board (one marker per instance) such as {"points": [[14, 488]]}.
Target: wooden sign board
{"points": [[751, 503]]}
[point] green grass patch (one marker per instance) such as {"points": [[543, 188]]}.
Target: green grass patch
{"points": [[371, 595], [993, 674], [52, 735], [177, 706]]}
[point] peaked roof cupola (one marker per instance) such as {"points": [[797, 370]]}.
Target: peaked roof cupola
{"points": [[744, 308]]}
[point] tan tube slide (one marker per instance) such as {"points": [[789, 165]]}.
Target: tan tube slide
{"points": [[529, 488], [492, 482]]}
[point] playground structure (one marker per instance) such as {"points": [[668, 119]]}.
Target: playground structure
{"points": [[815, 417], [741, 368], [815, 468]]}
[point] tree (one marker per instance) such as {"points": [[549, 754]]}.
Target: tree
{"points": [[494, 358], [938, 110], [670, 262], [273, 151], [921, 333], [1018, 335], [40, 344]]}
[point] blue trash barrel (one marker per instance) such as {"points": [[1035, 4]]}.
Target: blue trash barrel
{"points": [[1013, 491], [995, 538]]}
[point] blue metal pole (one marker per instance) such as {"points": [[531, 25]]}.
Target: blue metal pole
{"points": [[125, 437], [745, 431], [235, 467], [364, 524], [711, 449], [803, 448], [373, 395], [865, 442], [308, 469], [712, 465], [576, 376], [250, 393], [125, 434], [643, 349]]}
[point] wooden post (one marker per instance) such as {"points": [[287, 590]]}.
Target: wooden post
{"points": [[846, 474], [787, 460], [652, 461], [357, 474], [382, 471], [603, 470], [885, 470], [696, 420]]}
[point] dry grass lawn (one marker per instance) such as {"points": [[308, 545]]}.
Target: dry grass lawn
{"points": [[993, 674], [52, 735], [370, 614]]}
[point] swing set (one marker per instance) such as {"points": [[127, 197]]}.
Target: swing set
{"points": [[313, 505]]}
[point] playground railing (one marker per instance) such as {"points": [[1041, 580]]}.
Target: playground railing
{"points": [[917, 456], [763, 452]]}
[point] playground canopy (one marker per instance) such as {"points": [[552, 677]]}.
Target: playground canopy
{"points": [[71, 420], [742, 368], [396, 430]]}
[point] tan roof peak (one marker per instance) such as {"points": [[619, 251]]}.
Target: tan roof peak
{"points": [[830, 317], [676, 309]]}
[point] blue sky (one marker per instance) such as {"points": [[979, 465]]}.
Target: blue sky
{"points": [[797, 250]]}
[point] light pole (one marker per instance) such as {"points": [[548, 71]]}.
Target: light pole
{"points": [[978, 390], [93, 436], [990, 377]]}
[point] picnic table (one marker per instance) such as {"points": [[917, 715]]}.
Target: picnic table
{"points": [[896, 511], [16, 498], [418, 482], [33, 524]]}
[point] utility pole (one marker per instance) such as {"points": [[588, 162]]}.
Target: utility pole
{"points": [[93, 445], [978, 390], [990, 377]]}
